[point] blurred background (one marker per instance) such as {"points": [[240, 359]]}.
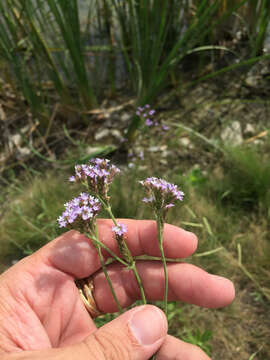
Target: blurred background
{"points": [[72, 75]]}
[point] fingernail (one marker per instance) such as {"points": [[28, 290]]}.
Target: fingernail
{"points": [[148, 325]]}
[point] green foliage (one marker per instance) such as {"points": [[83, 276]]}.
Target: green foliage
{"points": [[30, 220], [40, 42], [125, 191], [200, 339], [50, 48], [258, 17], [196, 177], [245, 180]]}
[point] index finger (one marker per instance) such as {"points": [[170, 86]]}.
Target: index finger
{"points": [[74, 253]]}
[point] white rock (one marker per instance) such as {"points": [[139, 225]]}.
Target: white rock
{"points": [[185, 141], [253, 81], [117, 134], [232, 134], [15, 139], [125, 117], [154, 148], [102, 134], [24, 151], [249, 129]]}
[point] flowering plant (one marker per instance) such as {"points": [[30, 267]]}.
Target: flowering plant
{"points": [[81, 212]]}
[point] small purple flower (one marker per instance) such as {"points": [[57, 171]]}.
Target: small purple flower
{"points": [[120, 229], [61, 221], [165, 127], [141, 155], [148, 122], [169, 206], [148, 200]]}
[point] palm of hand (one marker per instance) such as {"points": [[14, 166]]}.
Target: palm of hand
{"points": [[44, 310]]}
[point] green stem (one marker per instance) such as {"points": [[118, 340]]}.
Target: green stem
{"points": [[108, 208], [108, 250], [139, 281], [160, 243], [98, 247]]}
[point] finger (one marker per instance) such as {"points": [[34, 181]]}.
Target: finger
{"points": [[135, 335], [175, 349], [74, 253], [187, 283]]}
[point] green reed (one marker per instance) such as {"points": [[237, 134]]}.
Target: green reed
{"points": [[155, 37]]}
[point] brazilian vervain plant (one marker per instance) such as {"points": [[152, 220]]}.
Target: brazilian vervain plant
{"points": [[80, 213]]}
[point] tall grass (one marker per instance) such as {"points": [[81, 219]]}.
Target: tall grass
{"points": [[258, 18], [155, 37], [50, 48], [42, 41]]}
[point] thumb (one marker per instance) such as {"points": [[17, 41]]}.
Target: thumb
{"points": [[135, 335]]}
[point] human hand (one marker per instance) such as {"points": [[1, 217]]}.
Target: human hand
{"points": [[42, 316]]}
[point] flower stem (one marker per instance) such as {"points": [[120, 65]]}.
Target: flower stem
{"points": [[101, 258], [160, 225], [107, 249], [108, 208], [132, 263], [139, 281]]}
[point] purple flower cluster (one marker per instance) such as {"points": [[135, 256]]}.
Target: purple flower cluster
{"points": [[120, 229], [83, 207], [97, 175], [147, 114], [162, 194]]}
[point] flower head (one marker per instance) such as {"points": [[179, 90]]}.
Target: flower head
{"points": [[82, 208], [97, 175], [120, 229], [147, 116], [161, 194]]}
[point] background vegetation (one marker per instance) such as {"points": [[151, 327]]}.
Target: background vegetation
{"points": [[71, 77]]}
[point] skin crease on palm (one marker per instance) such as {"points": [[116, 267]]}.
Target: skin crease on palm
{"points": [[40, 307]]}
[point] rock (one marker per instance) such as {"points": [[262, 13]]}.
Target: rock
{"points": [[232, 134], [125, 117], [249, 130], [117, 134], [184, 141], [154, 148], [15, 139], [24, 151], [102, 134], [252, 81]]}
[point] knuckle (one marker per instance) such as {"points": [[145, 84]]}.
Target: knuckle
{"points": [[105, 346]]}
